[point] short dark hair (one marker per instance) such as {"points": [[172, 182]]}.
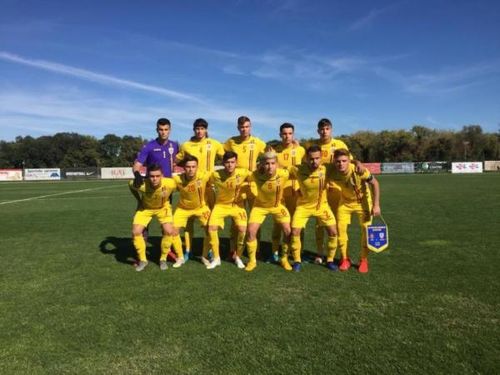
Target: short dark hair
{"points": [[163, 121], [287, 125], [229, 155], [341, 152], [153, 168], [188, 158], [242, 120], [313, 148], [324, 122], [200, 122]]}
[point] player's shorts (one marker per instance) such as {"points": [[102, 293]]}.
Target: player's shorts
{"points": [[324, 215], [290, 198], [363, 212], [181, 216], [210, 197], [144, 216], [221, 211], [333, 194], [280, 214]]}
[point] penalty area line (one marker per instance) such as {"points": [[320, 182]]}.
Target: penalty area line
{"points": [[56, 194]]}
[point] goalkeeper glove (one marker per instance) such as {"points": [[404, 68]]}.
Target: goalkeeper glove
{"points": [[138, 179]]}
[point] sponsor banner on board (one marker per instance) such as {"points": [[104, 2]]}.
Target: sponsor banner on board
{"points": [[432, 167], [40, 174], [11, 174], [374, 168], [467, 167], [398, 168], [492, 165], [117, 173], [80, 173]]}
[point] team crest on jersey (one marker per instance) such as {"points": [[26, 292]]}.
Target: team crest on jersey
{"points": [[171, 150]]}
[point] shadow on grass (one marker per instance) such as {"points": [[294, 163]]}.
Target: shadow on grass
{"points": [[123, 249], [124, 252]]}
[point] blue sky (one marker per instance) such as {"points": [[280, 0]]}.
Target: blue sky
{"points": [[115, 66]]}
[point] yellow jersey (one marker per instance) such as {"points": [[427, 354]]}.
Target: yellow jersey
{"points": [[312, 185], [205, 150], [353, 185], [192, 192], [268, 190], [228, 186], [247, 150], [155, 198], [327, 149], [289, 156]]}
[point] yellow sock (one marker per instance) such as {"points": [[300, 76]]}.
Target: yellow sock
{"points": [[140, 247], [320, 239], [214, 242], [284, 250], [166, 242], [240, 243], [296, 247], [206, 246], [176, 241], [252, 251], [343, 239], [276, 237], [332, 248], [189, 234]]}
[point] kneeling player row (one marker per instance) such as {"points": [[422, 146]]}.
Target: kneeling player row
{"points": [[211, 197]]}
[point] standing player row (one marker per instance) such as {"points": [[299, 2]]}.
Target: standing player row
{"points": [[285, 189]]}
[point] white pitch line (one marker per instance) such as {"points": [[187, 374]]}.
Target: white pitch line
{"points": [[63, 193]]}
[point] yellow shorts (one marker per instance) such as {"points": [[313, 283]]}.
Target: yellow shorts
{"points": [[280, 214], [144, 216], [333, 194], [346, 210], [290, 198], [324, 215], [222, 211], [181, 216]]}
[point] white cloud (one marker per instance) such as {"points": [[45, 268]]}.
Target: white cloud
{"points": [[369, 18], [446, 80], [96, 77], [55, 110]]}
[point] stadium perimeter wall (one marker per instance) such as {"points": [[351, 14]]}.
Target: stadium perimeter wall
{"points": [[125, 173]]}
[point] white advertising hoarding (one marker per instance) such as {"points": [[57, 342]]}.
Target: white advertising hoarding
{"points": [[11, 174], [117, 173], [467, 167], [39, 174], [492, 165]]}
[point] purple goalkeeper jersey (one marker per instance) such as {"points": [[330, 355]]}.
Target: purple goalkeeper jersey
{"points": [[155, 153]]}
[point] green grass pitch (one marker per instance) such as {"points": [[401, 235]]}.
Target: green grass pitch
{"points": [[70, 302]]}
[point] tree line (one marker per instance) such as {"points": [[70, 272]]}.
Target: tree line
{"points": [[420, 143], [69, 150]]}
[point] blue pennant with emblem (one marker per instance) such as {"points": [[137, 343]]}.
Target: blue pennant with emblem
{"points": [[377, 236]]}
